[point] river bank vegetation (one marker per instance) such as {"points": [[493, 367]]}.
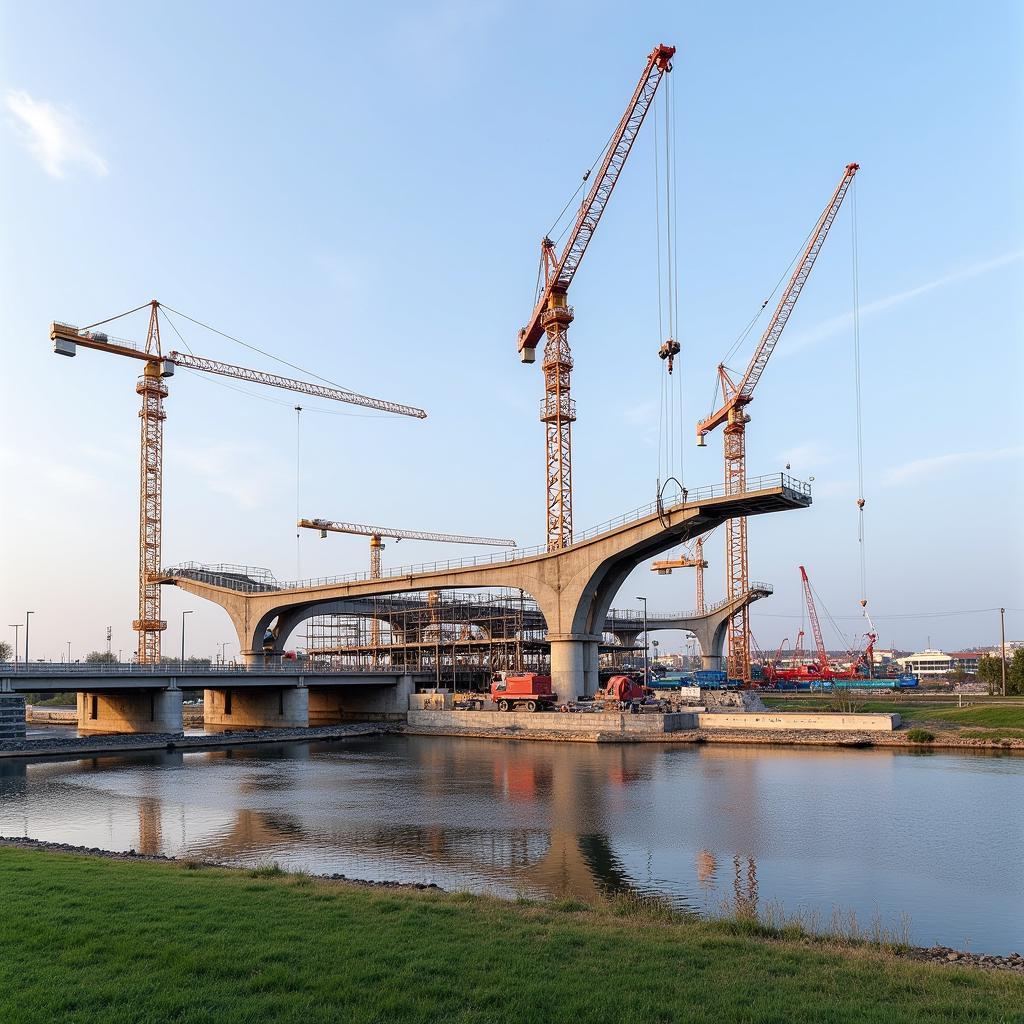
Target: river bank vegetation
{"points": [[93, 939]]}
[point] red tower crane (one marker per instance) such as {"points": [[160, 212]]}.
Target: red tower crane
{"points": [[552, 314], [158, 366], [735, 398]]}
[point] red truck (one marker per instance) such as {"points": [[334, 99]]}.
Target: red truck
{"points": [[529, 689]]}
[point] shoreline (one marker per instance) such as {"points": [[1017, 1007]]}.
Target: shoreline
{"points": [[945, 956], [119, 743]]}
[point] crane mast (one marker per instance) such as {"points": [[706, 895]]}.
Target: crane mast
{"points": [[552, 314], [151, 387], [735, 397]]}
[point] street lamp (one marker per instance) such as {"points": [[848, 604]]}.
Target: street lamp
{"points": [[27, 614], [69, 652], [15, 626], [183, 614], [647, 674], [222, 646]]}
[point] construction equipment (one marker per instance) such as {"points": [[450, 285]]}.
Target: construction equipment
{"points": [[529, 690], [158, 366], [377, 533], [812, 614], [665, 566], [552, 314], [735, 398]]}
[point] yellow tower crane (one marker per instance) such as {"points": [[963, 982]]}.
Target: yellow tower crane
{"points": [[732, 415], [376, 535], [159, 366], [695, 559]]}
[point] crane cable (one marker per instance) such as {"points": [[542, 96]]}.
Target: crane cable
{"points": [[858, 401]]}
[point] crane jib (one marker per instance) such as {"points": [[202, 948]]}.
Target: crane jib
{"points": [[594, 204]]}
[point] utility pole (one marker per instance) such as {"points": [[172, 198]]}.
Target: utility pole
{"points": [[110, 632], [647, 674], [15, 626], [27, 614], [1002, 644]]}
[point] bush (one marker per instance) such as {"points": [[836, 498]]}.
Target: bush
{"points": [[920, 736]]}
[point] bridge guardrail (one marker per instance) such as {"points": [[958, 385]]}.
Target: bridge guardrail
{"points": [[304, 667], [227, 576]]}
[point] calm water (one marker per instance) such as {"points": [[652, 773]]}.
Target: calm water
{"points": [[936, 837]]}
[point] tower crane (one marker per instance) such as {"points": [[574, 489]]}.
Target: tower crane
{"points": [[695, 559], [732, 413], [158, 366], [552, 314], [376, 535]]}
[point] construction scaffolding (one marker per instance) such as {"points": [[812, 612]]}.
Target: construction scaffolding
{"points": [[462, 639]]}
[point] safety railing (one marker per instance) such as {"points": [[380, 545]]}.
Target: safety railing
{"points": [[632, 615], [274, 666], [219, 576]]}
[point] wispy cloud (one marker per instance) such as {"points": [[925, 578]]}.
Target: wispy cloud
{"points": [[807, 457], [40, 471], [918, 469], [844, 322], [227, 469], [53, 135]]}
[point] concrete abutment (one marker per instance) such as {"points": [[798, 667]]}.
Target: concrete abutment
{"points": [[134, 711]]}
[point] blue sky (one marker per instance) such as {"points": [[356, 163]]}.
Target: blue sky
{"points": [[362, 192]]}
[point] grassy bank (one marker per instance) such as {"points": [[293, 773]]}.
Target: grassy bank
{"points": [[992, 722], [89, 939]]}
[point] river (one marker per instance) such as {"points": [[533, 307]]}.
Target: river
{"points": [[930, 844]]}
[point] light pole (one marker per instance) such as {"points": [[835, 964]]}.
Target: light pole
{"points": [[222, 646], [69, 652], [15, 626], [647, 676], [183, 614], [27, 614], [1002, 644]]}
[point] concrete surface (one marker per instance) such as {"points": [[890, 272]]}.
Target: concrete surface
{"points": [[554, 721], [788, 721], [130, 711]]}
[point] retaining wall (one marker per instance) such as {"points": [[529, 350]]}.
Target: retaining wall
{"points": [[784, 721], [12, 716], [554, 721]]}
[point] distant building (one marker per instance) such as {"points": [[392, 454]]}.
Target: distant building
{"points": [[927, 663], [967, 660]]}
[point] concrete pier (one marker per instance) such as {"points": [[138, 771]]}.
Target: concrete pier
{"points": [[263, 707], [131, 711], [12, 716]]}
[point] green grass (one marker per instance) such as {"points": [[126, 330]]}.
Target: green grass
{"points": [[943, 715], [88, 939], [920, 736]]}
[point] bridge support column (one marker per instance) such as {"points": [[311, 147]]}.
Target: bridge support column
{"points": [[383, 702], [12, 716], [140, 711], [256, 707], [591, 678], [571, 654]]}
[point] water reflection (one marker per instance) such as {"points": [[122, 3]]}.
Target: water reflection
{"points": [[879, 833]]}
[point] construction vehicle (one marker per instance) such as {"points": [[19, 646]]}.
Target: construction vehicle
{"points": [[552, 314], [528, 690], [622, 690], [158, 366], [732, 413]]}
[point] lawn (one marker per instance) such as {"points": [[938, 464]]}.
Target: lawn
{"points": [[942, 715], [90, 939]]}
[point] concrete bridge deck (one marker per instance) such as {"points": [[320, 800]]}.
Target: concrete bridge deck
{"points": [[573, 587]]}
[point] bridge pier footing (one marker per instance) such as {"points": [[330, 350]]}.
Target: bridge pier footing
{"points": [[573, 665], [129, 712], [332, 705], [12, 716], [256, 707]]}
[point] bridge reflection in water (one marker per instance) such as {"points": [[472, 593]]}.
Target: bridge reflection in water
{"points": [[745, 827]]}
